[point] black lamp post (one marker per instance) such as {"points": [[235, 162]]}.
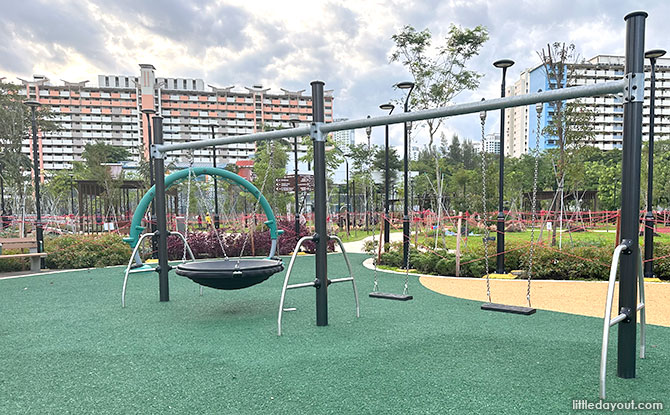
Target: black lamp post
{"points": [[294, 123], [405, 217], [216, 185], [72, 193], [652, 55], [500, 263], [39, 232], [387, 177], [154, 240], [368, 131], [346, 163]]}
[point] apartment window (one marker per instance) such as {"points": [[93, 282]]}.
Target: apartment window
{"points": [[184, 83], [127, 85], [106, 81], [194, 87], [116, 81], [175, 84]]}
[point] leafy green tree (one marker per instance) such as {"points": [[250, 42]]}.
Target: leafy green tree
{"points": [[439, 72], [270, 164]]}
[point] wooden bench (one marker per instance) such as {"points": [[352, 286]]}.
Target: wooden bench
{"points": [[23, 243]]}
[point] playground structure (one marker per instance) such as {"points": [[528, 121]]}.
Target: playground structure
{"points": [[632, 87]]}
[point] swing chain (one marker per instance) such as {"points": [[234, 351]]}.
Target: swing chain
{"points": [[538, 109], [190, 159], [482, 117]]}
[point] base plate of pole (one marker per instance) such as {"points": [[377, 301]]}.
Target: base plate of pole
{"points": [[391, 296], [504, 308]]}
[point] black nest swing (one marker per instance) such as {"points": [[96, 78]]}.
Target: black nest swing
{"points": [[231, 274]]}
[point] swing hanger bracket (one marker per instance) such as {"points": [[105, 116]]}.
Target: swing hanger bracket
{"points": [[633, 91]]}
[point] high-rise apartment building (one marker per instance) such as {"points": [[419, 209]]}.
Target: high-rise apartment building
{"points": [[113, 112], [492, 143], [521, 122], [344, 139]]}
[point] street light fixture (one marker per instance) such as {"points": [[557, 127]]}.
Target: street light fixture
{"points": [[294, 123], [652, 55], [39, 231], [500, 259], [387, 230], [405, 218]]}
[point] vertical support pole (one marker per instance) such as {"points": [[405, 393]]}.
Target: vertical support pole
{"points": [[630, 192], [296, 188], [216, 185], [321, 233], [458, 244], [500, 225], [161, 222], [387, 181], [39, 231]]}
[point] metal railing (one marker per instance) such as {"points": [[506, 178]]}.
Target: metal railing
{"points": [[609, 321], [288, 286]]}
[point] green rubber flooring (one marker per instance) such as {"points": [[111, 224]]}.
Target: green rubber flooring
{"points": [[67, 346]]}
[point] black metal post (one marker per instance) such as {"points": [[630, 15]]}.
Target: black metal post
{"points": [[630, 191], [405, 216], [649, 227], [72, 193], [216, 186], [387, 177], [353, 199], [152, 182], [500, 237], [321, 234], [159, 202], [347, 203], [368, 131], [39, 231], [296, 188]]}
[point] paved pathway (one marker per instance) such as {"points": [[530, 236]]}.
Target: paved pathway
{"points": [[358, 246]]}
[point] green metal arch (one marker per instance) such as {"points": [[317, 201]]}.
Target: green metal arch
{"points": [[136, 227]]}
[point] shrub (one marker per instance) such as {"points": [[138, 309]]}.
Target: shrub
{"points": [[86, 251]]}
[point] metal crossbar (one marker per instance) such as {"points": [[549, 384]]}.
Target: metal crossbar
{"points": [[603, 88], [609, 322]]}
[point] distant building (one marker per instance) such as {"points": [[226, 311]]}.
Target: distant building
{"points": [[492, 143], [112, 112], [344, 139], [521, 122]]}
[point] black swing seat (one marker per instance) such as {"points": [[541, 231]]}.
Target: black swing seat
{"points": [[504, 308], [391, 296], [231, 274]]}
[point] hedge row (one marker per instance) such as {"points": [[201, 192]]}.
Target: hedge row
{"points": [[101, 250], [572, 263]]}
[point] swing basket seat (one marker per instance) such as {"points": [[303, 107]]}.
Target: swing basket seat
{"points": [[231, 274]]}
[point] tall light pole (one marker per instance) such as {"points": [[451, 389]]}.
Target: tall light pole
{"points": [[294, 123], [368, 131], [387, 178], [652, 55], [216, 185], [346, 163], [152, 225], [500, 238], [39, 231], [405, 217]]}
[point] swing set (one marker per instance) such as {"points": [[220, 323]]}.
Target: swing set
{"points": [[627, 254]]}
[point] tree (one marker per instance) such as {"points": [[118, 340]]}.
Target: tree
{"points": [[571, 124], [15, 128], [270, 164], [439, 73]]}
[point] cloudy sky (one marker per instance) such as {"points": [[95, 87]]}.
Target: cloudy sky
{"points": [[288, 43]]}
